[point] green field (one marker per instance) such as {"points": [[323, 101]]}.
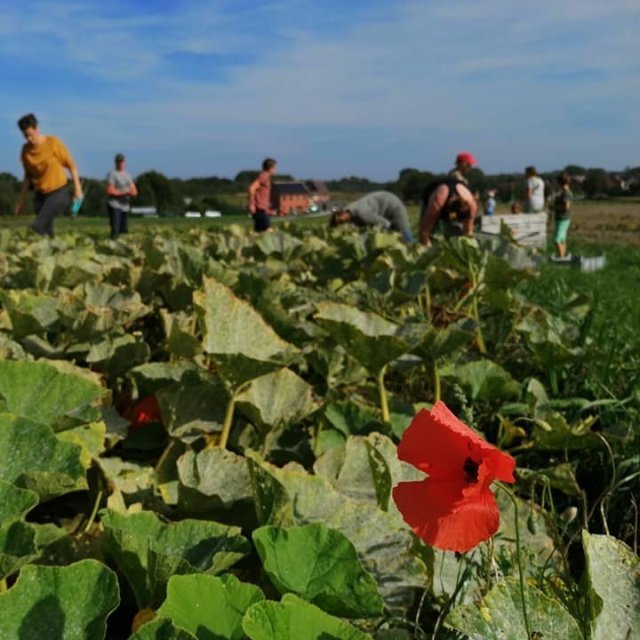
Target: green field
{"points": [[199, 426]]}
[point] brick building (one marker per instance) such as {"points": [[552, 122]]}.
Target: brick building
{"points": [[288, 197]]}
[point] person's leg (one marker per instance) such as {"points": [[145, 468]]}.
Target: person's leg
{"points": [[48, 206], [560, 237], [113, 221], [124, 222]]}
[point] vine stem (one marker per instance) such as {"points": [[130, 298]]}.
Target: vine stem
{"points": [[382, 391], [519, 557]]}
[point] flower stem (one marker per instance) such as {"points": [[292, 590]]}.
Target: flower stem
{"points": [[519, 557], [475, 312], [435, 374], [382, 392]]}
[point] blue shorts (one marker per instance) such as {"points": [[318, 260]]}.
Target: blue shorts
{"points": [[261, 221], [560, 232]]}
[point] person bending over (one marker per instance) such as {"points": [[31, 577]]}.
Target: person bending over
{"points": [[381, 209], [449, 204]]}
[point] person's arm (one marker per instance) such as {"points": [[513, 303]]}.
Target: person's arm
{"points": [[251, 202], [368, 216], [22, 195], [67, 162], [133, 191]]}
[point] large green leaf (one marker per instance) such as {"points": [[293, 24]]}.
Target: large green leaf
{"points": [[241, 343], [295, 619], [70, 603], [30, 313], [15, 503], [42, 393], [117, 354], [191, 410], [320, 565], [211, 608], [161, 629], [499, 616], [483, 380], [215, 482], [17, 539], [277, 399], [368, 337], [32, 457], [613, 573], [149, 552], [387, 549]]}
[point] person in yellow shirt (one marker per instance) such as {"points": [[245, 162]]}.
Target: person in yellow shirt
{"points": [[45, 159]]}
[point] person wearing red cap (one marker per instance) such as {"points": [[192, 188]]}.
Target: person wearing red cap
{"points": [[464, 162]]}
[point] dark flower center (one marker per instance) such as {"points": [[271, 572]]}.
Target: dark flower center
{"points": [[470, 468]]}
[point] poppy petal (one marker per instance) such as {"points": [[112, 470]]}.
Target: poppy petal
{"points": [[437, 443], [443, 517]]}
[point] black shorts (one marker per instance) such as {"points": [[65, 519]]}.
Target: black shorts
{"points": [[261, 220]]}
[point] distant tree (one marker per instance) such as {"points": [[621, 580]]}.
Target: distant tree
{"points": [[95, 199], [154, 186], [575, 170], [477, 180], [595, 183], [7, 204]]}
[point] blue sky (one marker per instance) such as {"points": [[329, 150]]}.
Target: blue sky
{"points": [[330, 88]]}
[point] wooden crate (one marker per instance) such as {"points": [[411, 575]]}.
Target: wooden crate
{"points": [[527, 228]]}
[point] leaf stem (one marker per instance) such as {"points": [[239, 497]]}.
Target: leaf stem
{"points": [[519, 557], [382, 391], [94, 511], [228, 421]]}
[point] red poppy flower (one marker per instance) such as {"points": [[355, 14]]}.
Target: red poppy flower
{"points": [[452, 509], [143, 412]]}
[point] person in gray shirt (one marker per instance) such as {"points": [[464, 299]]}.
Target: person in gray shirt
{"points": [[120, 189], [377, 209]]}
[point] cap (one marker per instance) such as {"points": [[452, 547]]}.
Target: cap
{"points": [[466, 157], [119, 157]]}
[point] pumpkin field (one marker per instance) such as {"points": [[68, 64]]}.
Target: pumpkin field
{"points": [[205, 434]]}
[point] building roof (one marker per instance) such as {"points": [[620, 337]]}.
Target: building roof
{"points": [[290, 188], [317, 186]]}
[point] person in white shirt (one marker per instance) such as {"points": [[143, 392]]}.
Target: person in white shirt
{"points": [[535, 191]]}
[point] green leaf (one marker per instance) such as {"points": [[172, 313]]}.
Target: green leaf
{"points": [[15, 503], [29, 313], [368, 337], [499, 616], [613, 574], [295, 619], [191, 410], [149, 552], [118, 354], [209, 607], [38, 391], [320, 565], [17, 547], [387, 549], [278, 399], [483, 380], [59, 602], [241, 343], [161, 629], [33, 458], [215, 483]]}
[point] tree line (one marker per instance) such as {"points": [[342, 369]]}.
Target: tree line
{"points": [[226, 195]]}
